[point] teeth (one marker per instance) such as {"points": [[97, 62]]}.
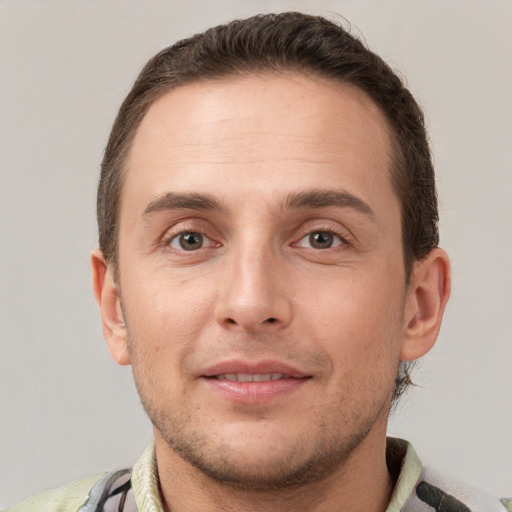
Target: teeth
{"points": [[262, 377], [251, 377]]}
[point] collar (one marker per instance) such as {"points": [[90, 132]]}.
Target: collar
{"points": [[400, 455]]}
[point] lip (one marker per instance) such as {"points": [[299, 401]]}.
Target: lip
{"points": [[254, 392], [266, 366]]}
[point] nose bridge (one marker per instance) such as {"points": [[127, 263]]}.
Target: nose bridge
{"points": [[251, 295]]}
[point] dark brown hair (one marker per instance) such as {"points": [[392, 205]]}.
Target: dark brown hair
{"points": [[283, 42]]}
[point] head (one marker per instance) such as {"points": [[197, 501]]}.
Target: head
{"points": [[285, 42], [215, 97]]}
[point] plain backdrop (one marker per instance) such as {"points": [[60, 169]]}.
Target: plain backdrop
{"points": [[66, 410]]}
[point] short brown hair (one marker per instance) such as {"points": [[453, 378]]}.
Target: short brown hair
{"points": [[288, 41]]}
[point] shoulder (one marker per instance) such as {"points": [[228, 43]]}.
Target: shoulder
{"points": [[87, 495], [443, 493], [420, 488], [67, 498]]}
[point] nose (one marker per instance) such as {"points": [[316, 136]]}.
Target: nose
{"points": [[254, 295]]}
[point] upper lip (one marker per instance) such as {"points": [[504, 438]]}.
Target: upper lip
{"points": [[254, 368]]}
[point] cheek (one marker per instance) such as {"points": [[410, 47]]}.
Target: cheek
{"points": [[165, 316], [357, 321]]}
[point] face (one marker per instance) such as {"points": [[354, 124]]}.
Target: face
{"points": [[261, 275]]}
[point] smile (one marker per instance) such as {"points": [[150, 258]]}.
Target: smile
{"points": [[253, 384], [249, 377]]}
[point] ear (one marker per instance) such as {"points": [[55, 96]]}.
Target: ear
{"points": [[107, 297], [428, 293]]}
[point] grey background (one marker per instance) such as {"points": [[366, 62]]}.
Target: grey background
{"points": [[66, 410]]}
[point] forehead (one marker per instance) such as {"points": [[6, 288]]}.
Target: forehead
{"points": [[263, 132]]}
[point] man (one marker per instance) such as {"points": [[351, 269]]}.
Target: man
{"points": [[269, 266]]}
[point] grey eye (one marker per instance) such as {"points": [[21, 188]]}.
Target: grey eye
{"points": [[321, 239], [188, 241]]}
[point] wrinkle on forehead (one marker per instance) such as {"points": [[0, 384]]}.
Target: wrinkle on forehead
{"points": [[214, 109]]}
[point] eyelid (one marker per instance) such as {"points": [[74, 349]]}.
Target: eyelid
{"points": [[203, 227], [188, 225], [320, 225], [205, 239], [341, 239]]}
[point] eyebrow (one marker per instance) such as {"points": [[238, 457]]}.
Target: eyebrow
{"points": [[309, 199], [326, 198], [188, 201]]}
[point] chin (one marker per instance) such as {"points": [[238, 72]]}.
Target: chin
{"points": [[262, 465]]}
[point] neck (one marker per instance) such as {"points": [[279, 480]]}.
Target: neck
{"points": [[361, 483]]}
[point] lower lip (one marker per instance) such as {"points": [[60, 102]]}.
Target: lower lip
{"points": [[254, 392]]}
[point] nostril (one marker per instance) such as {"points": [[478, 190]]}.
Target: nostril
{"points": [[231, 321], [271, 320]]}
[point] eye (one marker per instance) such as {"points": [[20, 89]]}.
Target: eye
{"points": [[189, 241], [321, 240]]}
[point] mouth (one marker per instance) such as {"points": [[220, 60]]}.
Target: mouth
{"points": [[251, 377], [252, 371], [246, 383]]}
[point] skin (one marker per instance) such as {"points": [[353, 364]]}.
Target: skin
{"points": [[284, 161]]}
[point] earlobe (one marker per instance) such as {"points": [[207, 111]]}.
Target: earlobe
{"points": [[107, 297], [428, 293]]}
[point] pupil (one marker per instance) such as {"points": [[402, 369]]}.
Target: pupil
{"points": [[321, 239], [190, 241]]}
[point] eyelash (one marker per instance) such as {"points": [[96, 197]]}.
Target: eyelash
{"points": [[338, 239], [177, 236], [173, 237], [342, 240]]}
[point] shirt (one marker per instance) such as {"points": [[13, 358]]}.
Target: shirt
{"points": [[417, 489]]}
